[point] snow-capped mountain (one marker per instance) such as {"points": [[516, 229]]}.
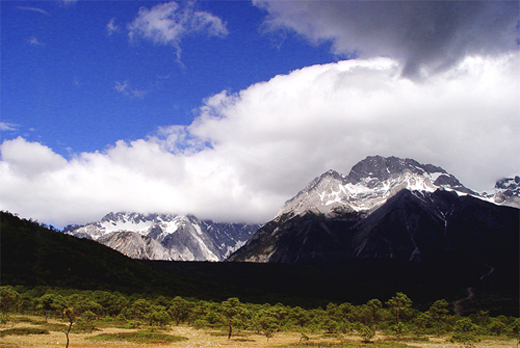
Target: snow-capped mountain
{"points": [[374, 180], [388, 208], [166, 236]]}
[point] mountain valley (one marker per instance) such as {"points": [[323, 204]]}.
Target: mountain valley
{"points": [[391, 225]]}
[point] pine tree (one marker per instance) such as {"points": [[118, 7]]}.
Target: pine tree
{"points": [[438, 312]]}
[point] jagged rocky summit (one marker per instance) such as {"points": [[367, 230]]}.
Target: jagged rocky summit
{"points": [[390, 208], [166, 236], [507, 192], [374, 180]]}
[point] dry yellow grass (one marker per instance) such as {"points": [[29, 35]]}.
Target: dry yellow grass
{"points": [[205, 338]]}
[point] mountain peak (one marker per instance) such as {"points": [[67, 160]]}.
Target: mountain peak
{"points": [[123, 217], [329, 176], [309, 199], [383, 168], [370, 183]]}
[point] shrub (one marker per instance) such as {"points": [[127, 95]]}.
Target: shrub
{"points": [[23, 331], [142, 336], [365, 332], [465, 332], [133, 324]]}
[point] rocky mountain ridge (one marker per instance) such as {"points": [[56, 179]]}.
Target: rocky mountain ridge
{"points": [[507, 192], [388, 208], [332, 198], [166, 236], [373, 181]]}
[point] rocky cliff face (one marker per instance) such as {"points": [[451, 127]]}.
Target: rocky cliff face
{"points": [[507, 192], [166, 236]]}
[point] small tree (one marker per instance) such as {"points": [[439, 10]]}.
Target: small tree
{"points": [[179, 310], [158, 314], [8, 298], [399, 306], [514, 330], [369, 313], [51, 303], [299, 316], [265, 321], [365, 332], [88, 316], [232, 311], [331, 325], [438, 312], [496, 326], [465, 332], [70, 314], [140, 308]]}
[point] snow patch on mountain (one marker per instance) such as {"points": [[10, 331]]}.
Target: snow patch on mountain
{"points": [[374, 180], [166, 236]]}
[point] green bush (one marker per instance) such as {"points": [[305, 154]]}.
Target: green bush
{"points": [[133, 324], [142, 336], [23, 331], [465, 332]]}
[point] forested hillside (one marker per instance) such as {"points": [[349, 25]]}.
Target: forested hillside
{"points": [[34, 255]]}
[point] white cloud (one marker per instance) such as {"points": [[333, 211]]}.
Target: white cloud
{"points": [[168, 23], [30, 159], [112, 27], [34, 9], [8, 126], [35, 42], [125, 89], [427, 36], [249, 152]]}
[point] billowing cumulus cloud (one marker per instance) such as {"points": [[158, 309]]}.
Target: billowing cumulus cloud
{"points": [[427, 36], [246, 153], [168, 23]]}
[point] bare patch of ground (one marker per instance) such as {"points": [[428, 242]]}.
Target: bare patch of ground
{"points": [[198, 338]]}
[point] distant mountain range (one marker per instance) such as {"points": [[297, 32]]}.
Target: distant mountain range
{"points": [[385, 207], [390, 208], [374, 180], [166, 236]]}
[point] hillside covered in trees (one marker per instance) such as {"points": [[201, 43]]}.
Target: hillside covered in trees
{"points": [[34, 255]]}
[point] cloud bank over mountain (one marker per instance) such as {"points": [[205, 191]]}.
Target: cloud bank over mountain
{"points": [[247, 152]]}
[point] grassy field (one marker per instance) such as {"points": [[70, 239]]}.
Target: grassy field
{"points": [[29, 332]]}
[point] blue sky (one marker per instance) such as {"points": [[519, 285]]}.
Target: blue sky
{"points": [[226, 109], [61, 67]]}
